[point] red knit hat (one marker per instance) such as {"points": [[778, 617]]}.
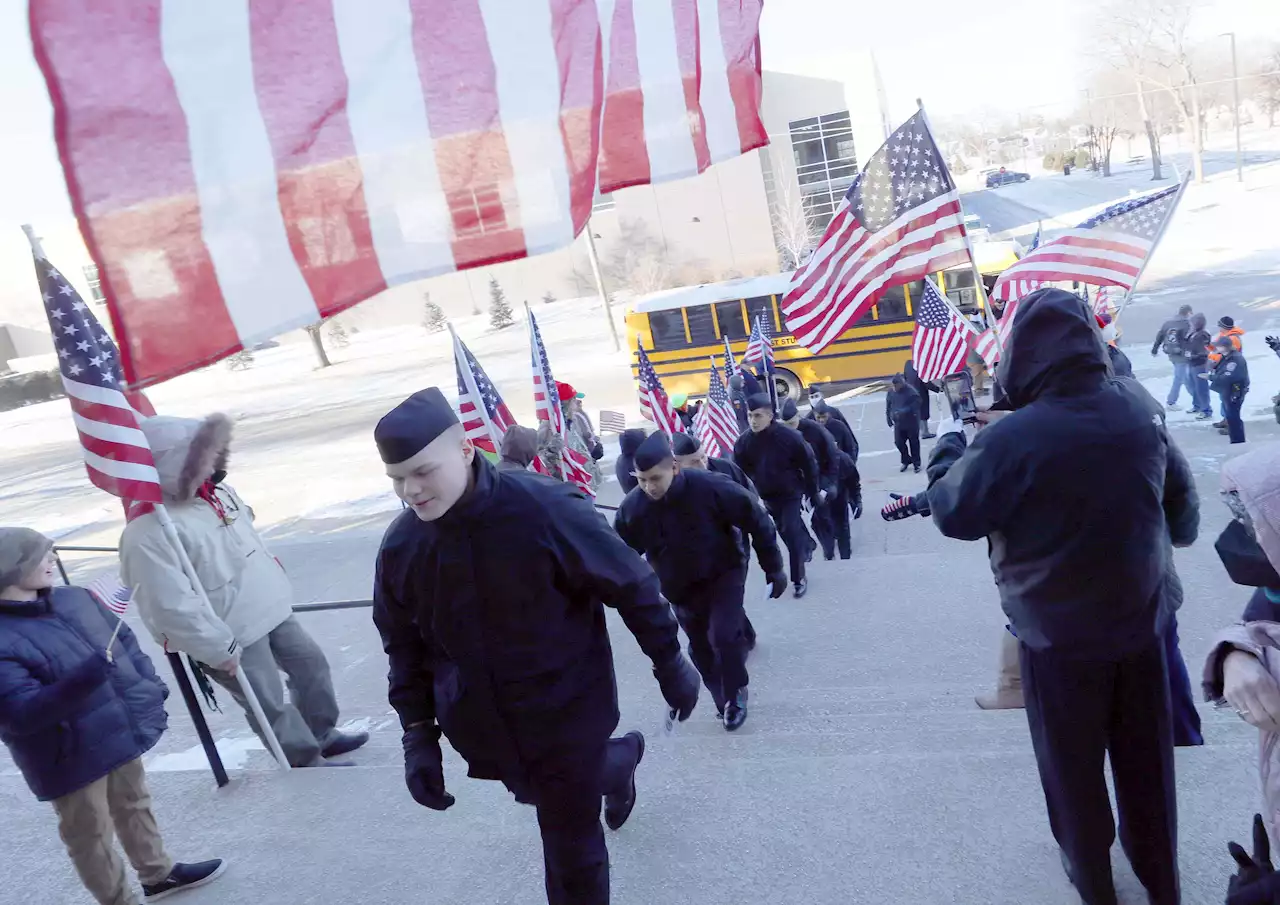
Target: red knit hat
{"points": [[565, 391]]}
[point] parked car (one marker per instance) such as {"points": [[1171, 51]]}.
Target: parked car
{"points": [[1004, 177]]}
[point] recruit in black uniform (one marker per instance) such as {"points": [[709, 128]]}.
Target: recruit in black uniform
{"points": [[690, 525], [489, 596], [830, 519]]}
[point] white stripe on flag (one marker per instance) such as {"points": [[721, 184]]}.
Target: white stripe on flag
{"points": [[103, 430], [527, 78], [207, 49], [666, 116], [410, 222], [96, 395], [715, 98], [126, 471]]}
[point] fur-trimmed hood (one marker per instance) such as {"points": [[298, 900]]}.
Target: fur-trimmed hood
{"points": [[187, 451]]}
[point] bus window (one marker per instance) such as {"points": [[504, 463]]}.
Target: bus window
{"points": [[668, 329], [730, 316], [764, 307], [893, 305], [960, 289], [702, 328]]}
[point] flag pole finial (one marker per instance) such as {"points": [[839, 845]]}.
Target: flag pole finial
{"points": [[36, 248]]}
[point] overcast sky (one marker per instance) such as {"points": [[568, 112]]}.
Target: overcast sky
{"points": [[958, 57]]}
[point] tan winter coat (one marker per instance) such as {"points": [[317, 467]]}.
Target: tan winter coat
{"points": [[249, 593]]}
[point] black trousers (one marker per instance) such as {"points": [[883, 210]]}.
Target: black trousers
{"points": [[925, 406], [831, 524], [851, 484], [906, 436], [715, 621], [1232, 403], [787, 516], [568, 788], [1080, 711]]}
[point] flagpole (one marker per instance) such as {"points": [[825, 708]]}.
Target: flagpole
{"points": [[1177, 199], [988, 314]]}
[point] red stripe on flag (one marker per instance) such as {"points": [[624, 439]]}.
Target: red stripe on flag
{"points": [[685, 13], [740, 35], [460, 86], [320, 184], [1136, 248], [133, 491], [1074, 259], [624, 152], [106, 414], [141, 221], [839, 232], [581, 99], [114, 451]]}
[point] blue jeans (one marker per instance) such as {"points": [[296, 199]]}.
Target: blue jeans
{"points": [[1181, 377], [1199, 388]]}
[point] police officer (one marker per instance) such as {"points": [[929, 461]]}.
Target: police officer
{"points": [[783, 468], [488, 595], [902, 411], [830, 518], [850, 479], [1230, 380], [1081, 490], [689, 524], [689, 454]]}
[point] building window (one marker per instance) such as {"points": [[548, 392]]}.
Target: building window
{"points": [[95, 284], [826, 164], [603, 203]]}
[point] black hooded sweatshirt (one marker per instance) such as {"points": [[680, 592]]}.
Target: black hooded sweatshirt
{"points": [[1079, 490], [628, 443]]}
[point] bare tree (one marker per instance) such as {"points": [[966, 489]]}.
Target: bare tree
{"points": [[1174, 70], [637, 261], [1268, 90], [1125, 43], [317, 344], [793, 233]]}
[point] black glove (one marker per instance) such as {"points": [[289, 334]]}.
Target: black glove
{"points": [[1256, 881], [1274, 343], [597, 451], [857, 507], [902, 507], [679, 683], [424, 767], [779, 582]]}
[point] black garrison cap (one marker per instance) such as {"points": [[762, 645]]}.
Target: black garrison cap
{"points": [[655, 450], [759, 401], [684, 444], [410, 427]]}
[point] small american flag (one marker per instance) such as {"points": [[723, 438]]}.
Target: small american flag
{"points": [[110, 592], [546, 406], [612, 421], [940, 344], [899, 221], [1102, 300], [1110, 249], [730, 366], [760, 346], [117, 455], [485, 416], [716, 424], [654, 404]]}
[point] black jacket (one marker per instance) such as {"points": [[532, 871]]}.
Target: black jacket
{"points": [[628, 443], [1176, 329], [779, 462], [825, 453], [1196, 348], [912, 377], [843, 435], [1231, 375], [1120, 364], [902, 406], [493, 621], [1079, 490], [732, 472], [691, 536]]}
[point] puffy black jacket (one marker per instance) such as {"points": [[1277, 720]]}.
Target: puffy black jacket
{"points": [[1079, 490], [1231, 375], [493, 621], [691, 536], [825, 453], [1120, 364], [628, 443], [902, 406], [1173, 331], [1196, 348], [779, 462], [67, 717]]}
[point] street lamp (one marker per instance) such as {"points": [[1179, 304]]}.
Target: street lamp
{"points": [[1235, 96]]}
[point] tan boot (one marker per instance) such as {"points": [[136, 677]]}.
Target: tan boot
{"points": [[1008, 693]]}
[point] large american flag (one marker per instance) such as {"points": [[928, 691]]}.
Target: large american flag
{"points": [[760, 345], [940, 344], [546, 407], [485, 416], [716, 425], [899, 221], [654, 404], [240, 169], [117, 455], [1109, 249]]}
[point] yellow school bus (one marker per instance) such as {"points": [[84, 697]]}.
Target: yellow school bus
{"points": [[681, 329]]}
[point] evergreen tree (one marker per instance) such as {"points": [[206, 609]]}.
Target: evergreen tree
{"points": [[433, 315], [500, 314]]}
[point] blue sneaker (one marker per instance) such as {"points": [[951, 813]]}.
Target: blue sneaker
{"points": [[183, 877]]}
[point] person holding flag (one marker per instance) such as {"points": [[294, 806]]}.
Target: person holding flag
{"points": [[80, 704], [691, 525], [784, 470], [570, 458], [489, 596]]}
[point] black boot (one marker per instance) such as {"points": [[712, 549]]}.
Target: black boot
{"points": [[618, 807], [735, 712]]}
